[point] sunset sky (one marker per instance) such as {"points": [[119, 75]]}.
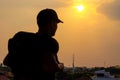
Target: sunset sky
{"points": [[91, 28]]}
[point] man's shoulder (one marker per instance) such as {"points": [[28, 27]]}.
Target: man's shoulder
{"points": [[53, 40]]}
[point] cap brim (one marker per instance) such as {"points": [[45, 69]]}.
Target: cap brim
{"points": [[59, 21]]}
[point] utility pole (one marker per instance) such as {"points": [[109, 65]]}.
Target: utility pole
{"points": [[73, 67], [73, 64]]}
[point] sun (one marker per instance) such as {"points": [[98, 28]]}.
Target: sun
{"points": [[80, 8]]}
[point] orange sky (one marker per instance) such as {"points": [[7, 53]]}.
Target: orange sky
{"points": [[92, 35]]}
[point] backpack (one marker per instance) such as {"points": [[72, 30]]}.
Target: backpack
{"points": [[20, 52], [24, 56]]}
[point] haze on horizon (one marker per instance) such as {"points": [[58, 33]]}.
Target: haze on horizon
{"points": [[92, 35]]}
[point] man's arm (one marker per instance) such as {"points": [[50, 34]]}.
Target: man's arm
{"points": [[60, 65]]}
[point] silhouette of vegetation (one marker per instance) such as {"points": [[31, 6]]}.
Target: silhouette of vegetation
{"points": [[6, 72], [84, 72], [67, 74]]}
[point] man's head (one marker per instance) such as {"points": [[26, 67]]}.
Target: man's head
{"points": [[45, 16], [47, 20]]}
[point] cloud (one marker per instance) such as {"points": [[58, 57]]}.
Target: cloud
{"points": [[13, 10], [34, 3], [54, 3], [111, 10]]}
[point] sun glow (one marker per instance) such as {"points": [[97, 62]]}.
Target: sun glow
{"points": [[80, 8]]}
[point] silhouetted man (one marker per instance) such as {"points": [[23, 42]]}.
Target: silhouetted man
{"points": [[33, 56]]}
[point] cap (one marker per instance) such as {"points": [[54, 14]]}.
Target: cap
{"points": [[47, 15]]}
